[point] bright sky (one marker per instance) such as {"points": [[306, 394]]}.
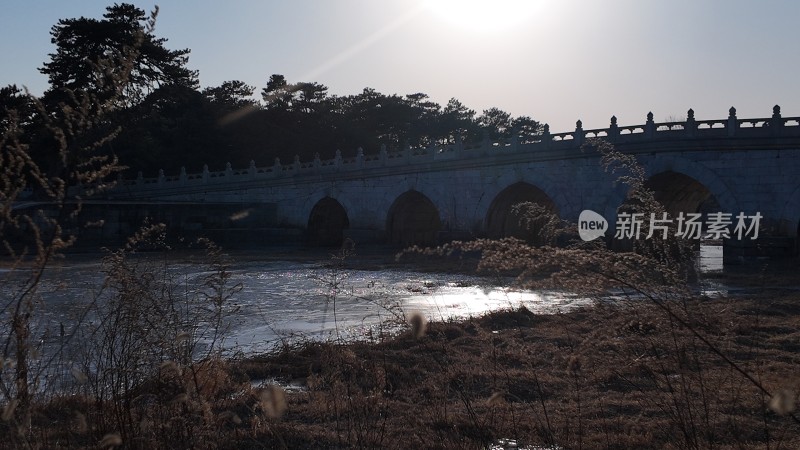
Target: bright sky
{"points": [[554, 60]]}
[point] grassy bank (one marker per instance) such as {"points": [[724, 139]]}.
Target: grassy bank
{"points": [[620, 375]]}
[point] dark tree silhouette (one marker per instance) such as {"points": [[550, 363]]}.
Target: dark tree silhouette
{"points": [[82, 43]]}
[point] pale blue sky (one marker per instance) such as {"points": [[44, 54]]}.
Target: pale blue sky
{"points": [[563, 61]]}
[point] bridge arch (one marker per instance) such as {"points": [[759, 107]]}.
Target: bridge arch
{"points": [[413, 219], [725, 199], [681, 193], [326, 222], [501, 222]]}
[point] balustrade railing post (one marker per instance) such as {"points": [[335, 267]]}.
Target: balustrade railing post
{"points": [[691, 125], [205, 173], [546, 137], [182, 177], [649, 126], [578, 136], [228, 170], [613, 129], [251, 169], [317, 162], [776, 124], [277, 167], [161, 177], [733, 124]]}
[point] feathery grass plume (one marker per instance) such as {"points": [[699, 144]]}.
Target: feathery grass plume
{"points": [[180, 399], [418, 323], [183, 337], [170, 367], [110, 440], [229, 416], [272, 401], [783, 402], [8, 411], [498, 398]]}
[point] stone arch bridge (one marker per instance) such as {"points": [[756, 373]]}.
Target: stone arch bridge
{"points": [[426, 195]]}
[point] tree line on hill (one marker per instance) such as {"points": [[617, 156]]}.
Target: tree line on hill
{"points": [[163, 119]]}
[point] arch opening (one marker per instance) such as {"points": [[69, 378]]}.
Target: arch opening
{"points": [[682, 193], [502, 222], [413, 220], [327, 222]]}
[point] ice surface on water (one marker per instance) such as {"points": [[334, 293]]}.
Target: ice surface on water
{"points": [[284, 298], [281, 298]]}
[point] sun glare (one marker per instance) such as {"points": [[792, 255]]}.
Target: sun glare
{"points": [[483, 15]]}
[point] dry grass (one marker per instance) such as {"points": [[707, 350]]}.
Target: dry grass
{"points": [[613, 376]]}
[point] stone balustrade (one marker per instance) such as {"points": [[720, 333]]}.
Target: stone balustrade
{"points": [[650, 131]]}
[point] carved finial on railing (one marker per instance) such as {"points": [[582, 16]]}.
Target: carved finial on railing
{"points": [[649, 126], [546, 130], [578, 135], [228, 170], [182, 176], [578, 125], [139, 177], [252, 164], [161, 176], [205, 173], [360, 157], [733, 124], [613, 129], [690, 126], [777, 122], [360, 152], [650, 117]]}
